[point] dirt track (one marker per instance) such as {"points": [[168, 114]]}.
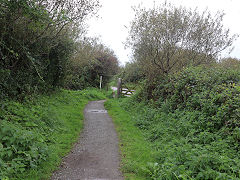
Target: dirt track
{"points": [[96, 155]]}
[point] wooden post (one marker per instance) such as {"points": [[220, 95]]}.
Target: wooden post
{"points": [[119, 87], [100, 82]]}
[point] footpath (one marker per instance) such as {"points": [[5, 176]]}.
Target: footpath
{"points": [[95, 156]]}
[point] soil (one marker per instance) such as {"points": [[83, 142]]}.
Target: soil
{"points": [[95, 156]]}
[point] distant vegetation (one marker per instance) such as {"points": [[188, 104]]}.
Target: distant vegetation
{"points": [[90, 60]]}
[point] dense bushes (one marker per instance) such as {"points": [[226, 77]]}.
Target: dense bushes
{"points": [[213, 91], [36, 40], [91, 60], [193, 122], [36, 133], [131, 73]]}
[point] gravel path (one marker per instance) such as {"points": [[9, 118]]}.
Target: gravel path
{"points": [[96, 155]]}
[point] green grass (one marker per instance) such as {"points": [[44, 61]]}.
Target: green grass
{"points": [[53, 124], [137, 156]]}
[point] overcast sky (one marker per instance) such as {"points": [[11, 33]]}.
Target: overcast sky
{"points": [[115, 16]]}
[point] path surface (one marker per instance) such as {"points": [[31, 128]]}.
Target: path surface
{"points": [[96, 155]]}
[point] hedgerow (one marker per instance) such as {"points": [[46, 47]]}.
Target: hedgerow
{"points": [[37, 41], [193, 122]]}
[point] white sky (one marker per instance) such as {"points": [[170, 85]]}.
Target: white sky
{"points": [[115, 16]]}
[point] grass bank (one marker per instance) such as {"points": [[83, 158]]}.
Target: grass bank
{"points": [[34, 135], [136, 153]]}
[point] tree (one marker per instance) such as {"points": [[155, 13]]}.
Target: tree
{"points": [[232, 63], [167, 38], [36, 41], [132, 72], [90, 60]]}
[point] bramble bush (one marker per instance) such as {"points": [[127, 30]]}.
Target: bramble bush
{"points": [[193, 122]]}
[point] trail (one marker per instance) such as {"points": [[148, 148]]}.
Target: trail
{"points": [[96, 155]]}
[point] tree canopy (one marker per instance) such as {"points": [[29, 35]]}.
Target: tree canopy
{"points": [[167, 38], [91, 59], [36, 40]]}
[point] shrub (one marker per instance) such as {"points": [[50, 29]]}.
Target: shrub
{"points": [[37, 38], [193, 123]]}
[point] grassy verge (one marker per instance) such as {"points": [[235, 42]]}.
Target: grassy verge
{"points": [[136, 153], [34, 135]]}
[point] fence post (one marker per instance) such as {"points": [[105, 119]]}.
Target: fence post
{"points": [[100, 82], [119, 87]]}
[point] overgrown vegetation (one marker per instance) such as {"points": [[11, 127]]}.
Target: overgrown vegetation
{"points": [[192, 121], [34, 135], [131, 73], [189, 114], [36, 40], [90, 60]]}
